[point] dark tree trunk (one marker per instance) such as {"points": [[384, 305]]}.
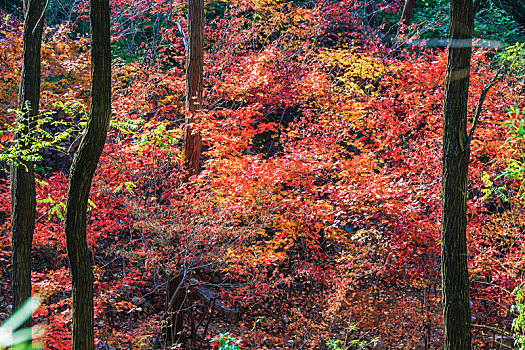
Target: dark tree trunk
{"points": [[192, 139], [174, 305], [408, 10], [23, 202], [370, 10], [81, 175], [456, 152], [406, 17], [192, 151]]}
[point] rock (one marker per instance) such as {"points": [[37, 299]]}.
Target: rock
{"points": [[231, 315], [204, 294]]}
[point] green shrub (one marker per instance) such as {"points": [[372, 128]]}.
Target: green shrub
{"points": [[226, 341]]}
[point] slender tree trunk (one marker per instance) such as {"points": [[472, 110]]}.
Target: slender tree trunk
{"points": [[370, 11], [191, 149], [194, 61], [408, 10], [81, 175], [23, 202], [406, 17], [456, 153], [174, 321]]}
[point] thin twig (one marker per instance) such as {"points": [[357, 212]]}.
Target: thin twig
{"points": [[184, 38], [495, 329], [40, 18], [479, 107]]}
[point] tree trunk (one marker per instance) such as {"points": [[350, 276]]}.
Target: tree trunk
{"points": [[23, 202], [81, 175], [406, 17], [194, 61], [456, 152], [192, 148], [370, 11], [174, 320], [408, 10]]}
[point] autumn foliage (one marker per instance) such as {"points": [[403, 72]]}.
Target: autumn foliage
{"points": [[315, 215]]}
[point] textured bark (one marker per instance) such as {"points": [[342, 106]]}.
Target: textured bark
{"points": [[23, 202], [81, 175], [192, 139], [370, 10], [456, 152], [406, 17], [408, 10], [192, 151], [174, 320]]}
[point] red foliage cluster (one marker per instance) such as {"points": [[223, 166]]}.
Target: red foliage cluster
{"points": [[316, 211]]}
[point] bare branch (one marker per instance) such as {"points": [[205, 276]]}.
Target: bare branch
{"points": [[479, 107]]}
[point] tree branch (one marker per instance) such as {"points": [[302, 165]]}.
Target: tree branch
{"points": [[479, 107]]}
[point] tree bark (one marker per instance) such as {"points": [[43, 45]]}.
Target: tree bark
{"points": [[370, 11], [23, 202], [408, 10], [192, 148], [406, 17], [174, 320], [456, 153], [81, 175], [194, 61]]}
